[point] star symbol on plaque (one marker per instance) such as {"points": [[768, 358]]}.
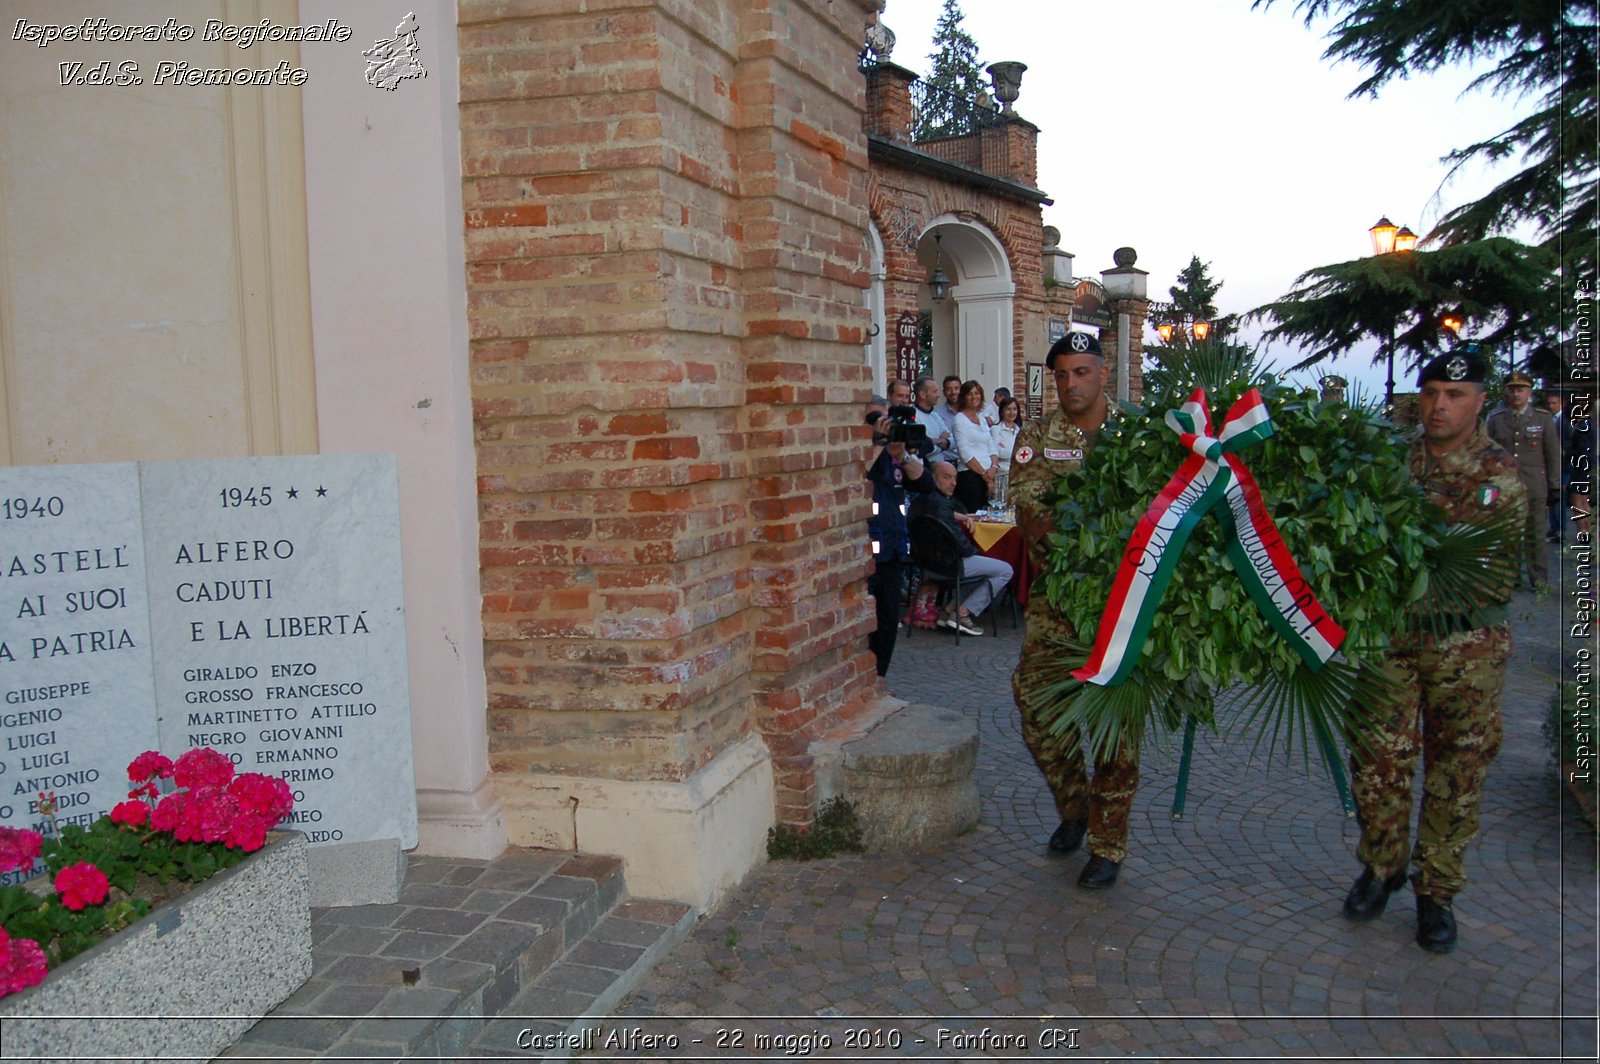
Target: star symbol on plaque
{"points": [[294, 493], [321, 492]]}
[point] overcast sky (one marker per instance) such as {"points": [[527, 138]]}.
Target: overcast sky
{"points": [[1201, 127]]}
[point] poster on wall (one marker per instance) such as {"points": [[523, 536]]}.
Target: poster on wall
{"points": [[1035, 395]]}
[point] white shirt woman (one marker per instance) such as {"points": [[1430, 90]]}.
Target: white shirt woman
{"points": [[1004, 436], [974, 443]]}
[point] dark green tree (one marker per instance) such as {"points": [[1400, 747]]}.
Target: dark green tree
{"points": [[1194, 298], [1543, 52], [954, 82], [1504, 291]]}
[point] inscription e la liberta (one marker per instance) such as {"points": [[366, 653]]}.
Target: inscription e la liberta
{"points": [[252, 605]]}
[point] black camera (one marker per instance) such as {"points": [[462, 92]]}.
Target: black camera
{"points": [[903, 429]]}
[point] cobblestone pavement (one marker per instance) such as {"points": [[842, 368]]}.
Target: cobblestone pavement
{"points": [[1222, 940]]}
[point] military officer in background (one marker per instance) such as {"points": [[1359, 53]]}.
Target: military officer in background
{"points": [[1449, 681], [1047, 449], [1534, 441]]}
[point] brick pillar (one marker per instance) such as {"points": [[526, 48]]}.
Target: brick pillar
{"points": [[1126, 289], [889, 101], [804, 165], [1137, 310], [667, 365], [1022, 151]]}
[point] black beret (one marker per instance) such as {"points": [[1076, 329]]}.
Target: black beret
{"points": [[1074, 343], [1454, 366]]}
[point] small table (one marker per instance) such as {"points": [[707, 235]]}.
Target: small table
{"points": [[1001, 540]]}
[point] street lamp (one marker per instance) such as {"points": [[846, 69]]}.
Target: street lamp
{"points": [[1167, 330], [1388, 238]]}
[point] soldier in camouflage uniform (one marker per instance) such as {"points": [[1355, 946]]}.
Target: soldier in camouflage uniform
{"points": [[1450, 680], [1533, 439], [1046, 450]]}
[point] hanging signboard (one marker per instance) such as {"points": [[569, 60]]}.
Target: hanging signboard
{"points": [[1089, 304], [905, 347]]}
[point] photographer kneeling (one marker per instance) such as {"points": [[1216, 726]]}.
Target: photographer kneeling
{"points": [[899, 445]]}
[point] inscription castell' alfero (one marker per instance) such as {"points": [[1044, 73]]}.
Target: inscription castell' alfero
{"points": [[250, 605]]}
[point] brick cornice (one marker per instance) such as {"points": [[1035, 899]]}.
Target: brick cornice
{"points": [[906, 157]]}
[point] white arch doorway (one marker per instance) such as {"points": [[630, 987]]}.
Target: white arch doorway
{"points": [[972, 326], [877, 349]]}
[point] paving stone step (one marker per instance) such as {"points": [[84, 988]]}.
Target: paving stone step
{"points": [[587, 985], [468, 941]]}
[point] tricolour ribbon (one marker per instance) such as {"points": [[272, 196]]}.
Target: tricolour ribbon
{"points": [[1210, 474]]}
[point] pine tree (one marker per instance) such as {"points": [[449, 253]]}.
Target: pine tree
{"points": [[954, 82], [1505, 291], [1544, 54], [1194, 298]]}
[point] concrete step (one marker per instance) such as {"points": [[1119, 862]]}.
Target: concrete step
{"points": [[468, 941]]}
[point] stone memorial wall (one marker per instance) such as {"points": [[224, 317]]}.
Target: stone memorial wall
{"points": [[252, 605]]}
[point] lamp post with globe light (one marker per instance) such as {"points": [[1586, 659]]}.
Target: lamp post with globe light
{"points": [[1390, 239]]}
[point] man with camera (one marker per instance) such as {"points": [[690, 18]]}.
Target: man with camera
{"points": [[896, 467]]}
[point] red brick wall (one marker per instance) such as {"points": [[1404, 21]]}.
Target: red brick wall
{"points": [[665, 247]]}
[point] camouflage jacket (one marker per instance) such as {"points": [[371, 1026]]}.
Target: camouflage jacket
{"points": [[1047, 449], [1474, 479]]}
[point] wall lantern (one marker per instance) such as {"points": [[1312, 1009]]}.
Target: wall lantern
{"points": [[938, 280]]}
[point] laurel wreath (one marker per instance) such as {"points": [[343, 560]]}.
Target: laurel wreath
{"points": [[1379, 557]]}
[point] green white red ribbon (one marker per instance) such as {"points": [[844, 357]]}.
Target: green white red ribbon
{"points": [[1209, 475]]}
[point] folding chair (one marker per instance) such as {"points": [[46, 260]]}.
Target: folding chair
{"points": [[937, 552]]}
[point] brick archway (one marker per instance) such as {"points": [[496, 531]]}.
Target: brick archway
{"points": [[973, 326]]}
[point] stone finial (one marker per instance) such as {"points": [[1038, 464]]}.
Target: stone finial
{"points": [[880, 38], [1124, 257]]}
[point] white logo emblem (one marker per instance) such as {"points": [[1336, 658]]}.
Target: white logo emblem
{"points": [[1023, 456], [1456, 368], [1079, 342], [393, 61]]}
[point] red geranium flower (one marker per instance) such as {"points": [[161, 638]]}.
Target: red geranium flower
{"points": [[22, 963], [248, 832], [262, 795], [168, 812], [80, 885], [214, 814], [19, 847], [133, 814], [148, 766], [203, 767]]}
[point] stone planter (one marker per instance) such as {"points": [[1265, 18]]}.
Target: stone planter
{"points": [[184, 982]]}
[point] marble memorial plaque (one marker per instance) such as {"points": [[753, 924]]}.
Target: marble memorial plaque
{"points": [[76, 697], [277, 614]]}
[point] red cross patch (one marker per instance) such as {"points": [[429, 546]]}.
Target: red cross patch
{"points": [[1023, 456]]}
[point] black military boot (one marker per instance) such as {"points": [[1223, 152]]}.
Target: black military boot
{"points": [[1436, 925], [1069, 836], [1369, 895], [1099, 873]]}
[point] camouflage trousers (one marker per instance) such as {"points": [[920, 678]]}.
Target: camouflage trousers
{"points": [[1448, 705], [1107, 800]]}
